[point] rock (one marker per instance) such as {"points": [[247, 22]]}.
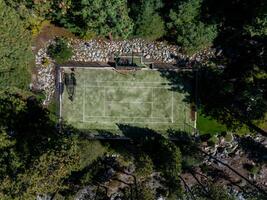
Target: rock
{"points": [[147, 56]]}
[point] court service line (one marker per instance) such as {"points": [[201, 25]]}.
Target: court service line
{"points": [[136, 102], [105, 102], [84, 100], [125, 82], [152, 105], [130, 122], [172, 106], [127, 87], [121, 117]]}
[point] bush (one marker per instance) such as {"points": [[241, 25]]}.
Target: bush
{"points": [[144, 166], [60, 51], [45, 61]]}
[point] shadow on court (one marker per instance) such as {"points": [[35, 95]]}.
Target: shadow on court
{"points": [[230, 100]]}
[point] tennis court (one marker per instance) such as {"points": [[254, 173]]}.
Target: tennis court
{"points": [[104, 98]]}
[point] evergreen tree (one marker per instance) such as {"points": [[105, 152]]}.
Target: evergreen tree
{"points": [[34, 158], [98, 17], [149, 23], [15, 52], [192, 34]]}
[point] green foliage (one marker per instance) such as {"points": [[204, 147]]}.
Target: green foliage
{"points": [[207, 125], [26, 169], [144, 166], [50, 169], [149, 24], [189, 162], [214, 191], [102, 18], [229, 137], [89, 151], [146, 193], [36, 14], [192, 34], [60, 51], [258, 27], [167, 158], [15, 52]]}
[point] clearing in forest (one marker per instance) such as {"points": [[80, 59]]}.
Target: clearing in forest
{"points": [[104, 98]]}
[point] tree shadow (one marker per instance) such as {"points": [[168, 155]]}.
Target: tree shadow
{"points": [[232, 86], [243, 55], [255, 150], [182, 82], [138, 134], [153, 143], [30, 125], [234, 95], [231, 13]]}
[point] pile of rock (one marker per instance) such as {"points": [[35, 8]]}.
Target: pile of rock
{"points": [[45, 75], [103, 50]]}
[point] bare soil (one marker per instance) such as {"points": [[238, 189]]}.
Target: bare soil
{"points": [[49, 32]]}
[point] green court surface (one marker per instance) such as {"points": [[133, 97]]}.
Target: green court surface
{"points": [[105, 98]]}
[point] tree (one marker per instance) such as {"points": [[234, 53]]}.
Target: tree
{"points": [[98, 17], [49, 171], [146, 193], [35, 159], [186, 26], [213, 191], [60, 51], [15, 52], [144, 165], [258, 27], [149, 24], [238, 93]]}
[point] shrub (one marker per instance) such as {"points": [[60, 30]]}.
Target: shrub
{"points": [[144, 166], [45, 61], [60, 51]]}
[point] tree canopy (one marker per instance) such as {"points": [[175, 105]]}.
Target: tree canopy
{"points": [[15, 49], [60, 51], [148, 22], [98, 18], [35, 158], [188, 29]]}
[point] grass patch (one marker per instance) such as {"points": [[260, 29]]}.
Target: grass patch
{"points": [[207, 125], [53, 109]]}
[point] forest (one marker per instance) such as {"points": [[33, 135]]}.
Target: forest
{"points": [[39, 162]]}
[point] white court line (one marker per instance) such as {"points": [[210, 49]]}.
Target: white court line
{"points": [[130, 122], [172, 106], [129, 117], [105, 102], [136, 102], [152, 103], [124, 117], [127, 87], [60, 94], [125, 82], [84, 100]]}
